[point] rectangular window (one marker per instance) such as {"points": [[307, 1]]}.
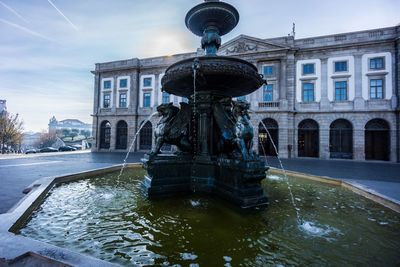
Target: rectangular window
{"points": [[376, 89], [107, 85], [147, 82], [146, 100], [106, 100], [165, 98], [376, 63], [341, 91], [268, 71], [340, 66], [268, 93], [308, 68], [122, 100], [123, 83], [308, 92]]}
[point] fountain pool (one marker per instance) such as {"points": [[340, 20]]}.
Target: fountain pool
{"points": [[117, 223]]}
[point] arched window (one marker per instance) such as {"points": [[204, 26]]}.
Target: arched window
{"points": [[265, 144], [341, 139], [122, 135], [146, 136], [105, 134], [308, 138], [377, 140]]}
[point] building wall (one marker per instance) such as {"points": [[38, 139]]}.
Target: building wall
{"points": [[287, 56]]}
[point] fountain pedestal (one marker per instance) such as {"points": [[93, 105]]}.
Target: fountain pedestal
{"points": [[238, 182], [213, 132]]}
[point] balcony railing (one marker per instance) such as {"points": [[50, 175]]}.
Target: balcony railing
{"points": [[268, 104]]}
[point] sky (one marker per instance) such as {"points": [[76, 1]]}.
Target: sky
{"points": [[49, 47]]}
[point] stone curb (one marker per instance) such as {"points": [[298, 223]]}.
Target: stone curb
{"points": [[357, 188], [18, 250]]}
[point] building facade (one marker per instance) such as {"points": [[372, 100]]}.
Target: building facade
{"points": [[3, 106], [333, 96], [70, 124]]}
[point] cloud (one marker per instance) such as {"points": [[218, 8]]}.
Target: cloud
{"points": [[62, 14], [26, 30], [49, 73], [14, 12]]}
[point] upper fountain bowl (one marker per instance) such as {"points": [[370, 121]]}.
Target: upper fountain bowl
{"points": [[226, 76], [212, 13]]}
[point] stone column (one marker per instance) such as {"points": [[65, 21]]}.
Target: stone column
{"points": [[359, 102], [358, 139], [283, 135], [324, 104], [204, 109], [324, 139], [290, 80], [95, 134], [113, 140]]}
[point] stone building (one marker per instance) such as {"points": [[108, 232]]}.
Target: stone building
{"points": [[333, 96], [55, 125], [3, 106]]}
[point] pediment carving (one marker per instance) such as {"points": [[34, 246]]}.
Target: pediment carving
{"points": [[242, 45]]}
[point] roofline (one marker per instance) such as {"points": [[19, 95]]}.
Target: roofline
{"points": [[342, 33]]}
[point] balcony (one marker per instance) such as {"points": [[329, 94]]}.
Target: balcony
{"points": [[271, 104]]}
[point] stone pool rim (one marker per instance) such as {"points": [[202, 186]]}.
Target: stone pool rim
{"points": [[16, 249]]}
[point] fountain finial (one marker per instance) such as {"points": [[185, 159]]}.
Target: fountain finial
{"points": [[210, 20]]}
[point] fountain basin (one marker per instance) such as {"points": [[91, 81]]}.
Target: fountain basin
{"points": [[114, 221], [217, 14], [226, 76]]}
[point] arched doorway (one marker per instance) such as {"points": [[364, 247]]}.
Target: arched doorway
{"points": [[308, 138], [122, 135], [265, 144], [105, 134], [377, 140], [146, 136], [341, 139]]}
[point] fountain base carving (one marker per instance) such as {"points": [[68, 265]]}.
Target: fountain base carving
{"points": [[236, 181]]}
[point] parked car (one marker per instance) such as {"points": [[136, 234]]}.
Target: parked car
{"points": [[67, 148], [78, 147], [30, 151], [48, 149]]}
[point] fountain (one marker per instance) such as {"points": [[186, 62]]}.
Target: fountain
{"points": [[212, 132], [68, 220]]}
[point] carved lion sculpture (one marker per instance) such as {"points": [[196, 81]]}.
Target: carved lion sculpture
{"points": [[236, 131], [172, 128], [243, 130]]}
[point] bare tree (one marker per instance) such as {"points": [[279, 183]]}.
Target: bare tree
{"points": [[11, 128], [46, 139]]}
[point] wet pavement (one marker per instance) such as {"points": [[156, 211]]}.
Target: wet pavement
{"points": [[382, 177], [18, 172]]}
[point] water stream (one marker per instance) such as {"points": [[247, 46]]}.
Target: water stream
{"points": [[132, 144], [298, 216]]}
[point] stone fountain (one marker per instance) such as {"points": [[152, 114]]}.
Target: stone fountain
{"points": [[212, 132]]}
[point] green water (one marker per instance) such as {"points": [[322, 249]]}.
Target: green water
{"points": [[115, 222]]}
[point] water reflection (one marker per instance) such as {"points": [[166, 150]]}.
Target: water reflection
{"points": [[118, 224]]}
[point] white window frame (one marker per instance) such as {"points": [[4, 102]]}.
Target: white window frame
{"points": [[273, 70], [386, 73], [347, 89], [348, 75], [124, 90], [147, 89], [160, 93], [315, 78], [342, 71], [107, 91]]}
